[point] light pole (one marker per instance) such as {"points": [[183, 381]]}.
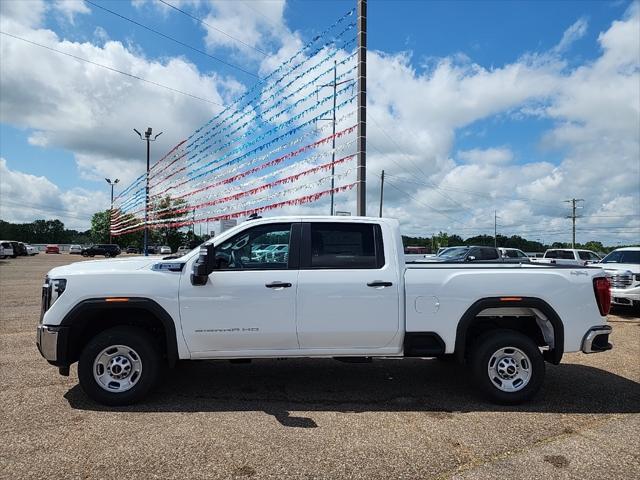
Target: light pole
{"points": [[111, 210], [148, 139]]}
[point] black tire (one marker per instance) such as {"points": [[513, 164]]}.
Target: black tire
{"points": [[141, 343], [492, 342]]}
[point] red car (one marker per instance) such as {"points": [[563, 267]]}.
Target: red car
{"points": [[52, 249]]}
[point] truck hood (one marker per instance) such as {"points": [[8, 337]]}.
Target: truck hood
{"points": [[632, 267], [104, 266]]}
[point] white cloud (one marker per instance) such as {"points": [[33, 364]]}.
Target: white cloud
{"points": [[499, 155], [25, 197], [572, 34], [70, 8], [90, 111]]}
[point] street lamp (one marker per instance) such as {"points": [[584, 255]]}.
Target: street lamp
{"points": [[111, 210], [147, 138]]}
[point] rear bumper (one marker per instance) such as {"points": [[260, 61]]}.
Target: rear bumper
{"points": [[52, 343], [597, 339]]}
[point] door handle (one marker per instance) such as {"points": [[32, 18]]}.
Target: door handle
{"points": [[277, 285], [379, 283]]}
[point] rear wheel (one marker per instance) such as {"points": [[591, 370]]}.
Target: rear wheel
{"points": [[507, 366], [119, 366]]}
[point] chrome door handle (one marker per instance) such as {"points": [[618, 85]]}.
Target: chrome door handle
{"points": [[379, 283], [277, 285]]}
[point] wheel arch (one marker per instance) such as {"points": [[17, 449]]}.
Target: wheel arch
{"points": [[94, 315], [472, 317]]}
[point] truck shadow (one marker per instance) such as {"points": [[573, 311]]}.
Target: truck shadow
{"points": [[279, 387]]}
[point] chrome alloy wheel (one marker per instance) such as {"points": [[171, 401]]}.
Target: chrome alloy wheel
{"points": [[117, 368], [509, 369]]}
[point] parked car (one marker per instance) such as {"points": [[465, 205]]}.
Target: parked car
{"points": [[465, 254], [19, 249], [183, 249], [569, 256], [623, 267], [280, 253], [31, 250], [347, 293], [7, 249], [513, 255], [52, 248], [108, 250], [75, 250], [132, 249], [165, 250]]}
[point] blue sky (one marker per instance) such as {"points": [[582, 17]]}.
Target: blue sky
{"points": [[411, 38]]}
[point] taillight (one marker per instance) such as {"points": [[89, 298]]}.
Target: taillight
{"points": [[602, 289]]}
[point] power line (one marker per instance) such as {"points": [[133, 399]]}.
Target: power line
{"points": [[113, 69], [418, 201], [433, 185], [179, 42], [214, 28]]}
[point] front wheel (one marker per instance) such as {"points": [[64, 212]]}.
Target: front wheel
{"points": [[119, 366], [507, 366]]}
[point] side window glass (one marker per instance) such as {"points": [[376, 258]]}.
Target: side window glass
{"points": [[489, 254], [265, 247], [552, 254], [583, 255], [344, 245]]}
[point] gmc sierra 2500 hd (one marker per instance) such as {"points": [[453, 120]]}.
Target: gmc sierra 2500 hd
{"points": [[342, 290]]}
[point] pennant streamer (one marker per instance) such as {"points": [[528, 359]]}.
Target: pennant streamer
{"points": [[258, 153]]}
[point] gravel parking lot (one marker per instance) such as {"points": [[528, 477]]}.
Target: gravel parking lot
{"points": [[311, 418]]}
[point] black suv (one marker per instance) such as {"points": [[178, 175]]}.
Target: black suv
{"points": [[101, 249]]}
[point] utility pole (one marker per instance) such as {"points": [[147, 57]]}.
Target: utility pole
{"points": [[334, 84], [573, 217], [111, 210], [361, 202], [148, 139], [381, 192]]}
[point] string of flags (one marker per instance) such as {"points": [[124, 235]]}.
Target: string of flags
{"points": [[263, 150]]}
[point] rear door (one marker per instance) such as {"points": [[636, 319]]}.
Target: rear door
{"points": [[348, 292]]}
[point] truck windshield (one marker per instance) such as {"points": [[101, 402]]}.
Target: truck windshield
{"points": [[623, 256], [454, 253]]}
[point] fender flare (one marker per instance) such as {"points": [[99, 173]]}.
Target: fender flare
{"points": [[554, 356], [138, 303]]}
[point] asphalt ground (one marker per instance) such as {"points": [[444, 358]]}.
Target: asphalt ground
{"points": [[311, 419]]}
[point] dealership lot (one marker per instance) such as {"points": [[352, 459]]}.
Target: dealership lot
{"points": [[311, 418]]}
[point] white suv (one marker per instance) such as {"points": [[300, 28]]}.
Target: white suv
{"points": [[623, 267]]}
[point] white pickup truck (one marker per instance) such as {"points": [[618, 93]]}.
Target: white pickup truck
{"points": [[343, 291]]}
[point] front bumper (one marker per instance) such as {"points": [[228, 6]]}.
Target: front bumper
{"points": [[625, 296], [597, 339], [52, 343]]}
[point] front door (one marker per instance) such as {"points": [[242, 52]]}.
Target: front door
{"points": [[249, 302]]}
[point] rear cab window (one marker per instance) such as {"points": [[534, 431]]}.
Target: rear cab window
{"points": [[342, 246]]}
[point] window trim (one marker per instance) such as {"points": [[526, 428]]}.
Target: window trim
{"points": [[305, 250], [293, 261]]}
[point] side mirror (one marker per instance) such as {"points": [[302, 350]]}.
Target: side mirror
{"points": [[204, 265], [470, 258]]}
